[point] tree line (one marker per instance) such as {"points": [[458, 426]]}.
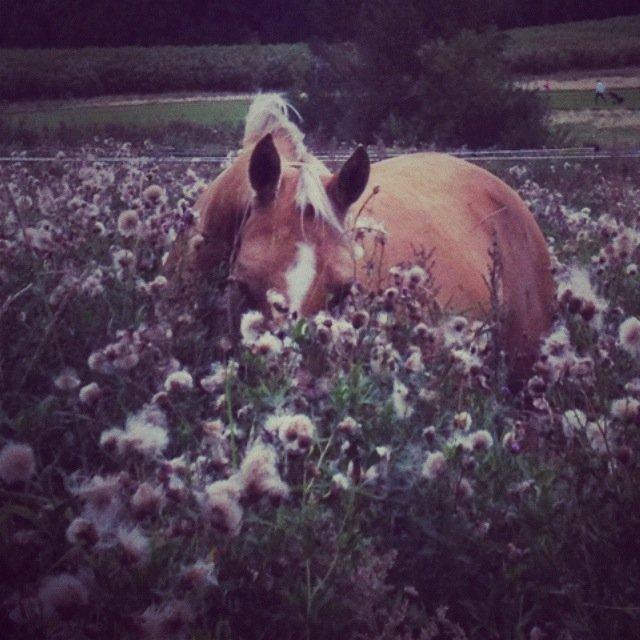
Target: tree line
{"points": [[79, 23]]}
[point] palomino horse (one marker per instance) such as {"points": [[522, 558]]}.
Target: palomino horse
{"points": [[281, 221]]}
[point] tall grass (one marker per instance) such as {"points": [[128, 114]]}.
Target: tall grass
{"points": [[362, 474]]}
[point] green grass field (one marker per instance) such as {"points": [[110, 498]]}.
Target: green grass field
{"points": [[574, 99], [203, 112]]}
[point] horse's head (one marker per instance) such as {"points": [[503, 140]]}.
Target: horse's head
{"points": [[293, 241]]}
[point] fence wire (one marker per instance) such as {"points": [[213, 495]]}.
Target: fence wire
{"points": [[515, 155]]}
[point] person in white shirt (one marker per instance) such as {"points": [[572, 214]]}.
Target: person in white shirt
{"points": [[601, 92]]}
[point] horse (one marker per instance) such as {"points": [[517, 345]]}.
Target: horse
{"points": [[281, 221]]}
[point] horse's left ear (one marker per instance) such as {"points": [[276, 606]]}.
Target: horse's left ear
{"points": [[264, 168], [349, 183]]}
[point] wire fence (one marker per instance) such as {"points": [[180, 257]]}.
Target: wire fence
{"points": [[569, 153]]}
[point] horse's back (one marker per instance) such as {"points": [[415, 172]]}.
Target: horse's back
{"points": [[439, 203]]}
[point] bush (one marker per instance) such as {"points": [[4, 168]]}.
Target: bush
{"points": [[451, 93]]}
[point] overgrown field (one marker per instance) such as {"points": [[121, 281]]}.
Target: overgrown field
{"points": [[363, 474], [590, 44]]}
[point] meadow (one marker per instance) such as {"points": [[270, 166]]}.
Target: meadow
{"points": [[364, 474]]}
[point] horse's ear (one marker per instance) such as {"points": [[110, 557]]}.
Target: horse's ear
{"points": [[264, 168], [347, 186]]}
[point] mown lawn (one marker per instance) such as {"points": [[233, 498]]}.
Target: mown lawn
{"points": [[199, 112], [574, 99]]}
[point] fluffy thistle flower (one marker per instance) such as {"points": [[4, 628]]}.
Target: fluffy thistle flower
{"points": [[251, 325], [199, 575], [633, 387], [625, 409], [67, 380], [344, 333], [573, 421], [597, 433], [221, 505], [340, 482], [399, 397], [82, 530], [481, 440], [435, 465], [123, 260], [153, 193], [510, 442], [415, 276], [463, 489], [135, 546], [296, 432], [466, 363], [178, 381], [90, 393], [158, 284], [462, 421], [277, 302], [579, 295], [217, 379], [147, 500], [629, 336], [259, 475], [429, 434], [267, 345], [63, 594], [414, 362], [360, 319], [17, 463], [100, 493], [128, 223], [145, 433], [349, 427], [169, 620]]}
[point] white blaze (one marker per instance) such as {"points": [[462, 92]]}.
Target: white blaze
{"points": [[300, 275]]}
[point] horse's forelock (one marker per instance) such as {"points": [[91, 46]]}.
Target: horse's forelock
{"points": [[311, 192], [269, 113]]}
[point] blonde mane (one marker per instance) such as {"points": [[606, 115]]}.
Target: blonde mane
{"points": [[269, 113]]}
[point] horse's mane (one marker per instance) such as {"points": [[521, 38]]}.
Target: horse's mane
{"points": [[269, 113]]}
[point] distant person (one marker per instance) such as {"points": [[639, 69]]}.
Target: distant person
{"points": [[547, 85], [601, 92]]}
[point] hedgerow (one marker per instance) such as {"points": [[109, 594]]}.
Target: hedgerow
{"points": [[63, 73]]}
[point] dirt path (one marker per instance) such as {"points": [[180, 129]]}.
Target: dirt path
{"points": [[600, 118]]}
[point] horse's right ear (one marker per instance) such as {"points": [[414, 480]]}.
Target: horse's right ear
{"points": [[264, 168], [349, 183]]}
